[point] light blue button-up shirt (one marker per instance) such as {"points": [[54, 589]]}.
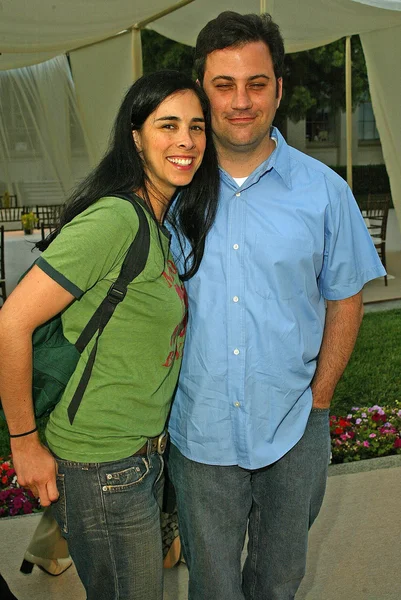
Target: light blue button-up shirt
{"points": [[290, 237]]}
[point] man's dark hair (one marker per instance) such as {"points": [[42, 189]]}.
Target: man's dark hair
{"points": [[230, 29]]}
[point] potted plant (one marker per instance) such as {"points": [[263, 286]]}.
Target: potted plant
{"points": [[29, 221]]}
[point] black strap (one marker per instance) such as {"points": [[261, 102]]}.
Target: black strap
{"points": [[133, 265]]}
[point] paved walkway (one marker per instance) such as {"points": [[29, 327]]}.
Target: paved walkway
{"points": [[354, 549]]}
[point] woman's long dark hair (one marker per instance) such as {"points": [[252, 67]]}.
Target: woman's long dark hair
{"points": [[122, 169]]}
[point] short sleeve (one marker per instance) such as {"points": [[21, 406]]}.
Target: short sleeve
{"points": [[350, 258], [91, 245]]}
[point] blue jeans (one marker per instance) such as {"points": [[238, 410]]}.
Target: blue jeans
{"points": [[277, 504], [109, 513]]}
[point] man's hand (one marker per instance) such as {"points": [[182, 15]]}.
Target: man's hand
{"points": [[343, 318], [35, 467]]}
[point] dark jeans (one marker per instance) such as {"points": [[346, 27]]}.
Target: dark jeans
{"points": [[277, 504], [109, 513]]}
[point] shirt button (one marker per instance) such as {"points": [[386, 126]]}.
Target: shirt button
{"points": [[237, 404], [236, 352], [238, 194], [235, 246], [235, 299]]}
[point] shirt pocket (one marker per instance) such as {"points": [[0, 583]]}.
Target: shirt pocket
{"points": [[283, 266]]}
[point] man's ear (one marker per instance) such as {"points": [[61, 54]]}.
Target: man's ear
{"points": [[137, 140], [279, 92]]}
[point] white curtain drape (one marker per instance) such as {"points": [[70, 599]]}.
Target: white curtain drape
{"points": [[33, 31], [385, 90], [102, 74], [38, 118]]}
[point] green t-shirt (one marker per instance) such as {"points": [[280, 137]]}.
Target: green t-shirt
{"points": [[139, 353]]}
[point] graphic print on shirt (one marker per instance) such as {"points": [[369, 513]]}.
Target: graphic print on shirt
{"points": [[178, 335]]}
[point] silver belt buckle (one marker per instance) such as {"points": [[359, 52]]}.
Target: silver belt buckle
{"points": [[162, 442]]}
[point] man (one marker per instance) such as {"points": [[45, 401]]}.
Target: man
{"points": [[274, 310]]}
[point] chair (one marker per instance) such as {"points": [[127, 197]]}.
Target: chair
{"points": [[3, 293], [375, 212], [46, 229], [48, 214], [12, 201], [12, 215]]}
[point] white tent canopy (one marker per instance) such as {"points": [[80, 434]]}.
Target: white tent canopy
{"points": [[33, 32]]}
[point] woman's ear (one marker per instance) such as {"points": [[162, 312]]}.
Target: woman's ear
{"points": [[137, 139]]}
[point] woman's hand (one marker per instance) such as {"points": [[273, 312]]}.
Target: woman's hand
{"points": [[35, 467]]}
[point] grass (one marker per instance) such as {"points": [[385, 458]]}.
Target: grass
{"points": [[373, 375]]}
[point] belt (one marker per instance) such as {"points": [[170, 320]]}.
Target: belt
{"points": [[157, 444]]}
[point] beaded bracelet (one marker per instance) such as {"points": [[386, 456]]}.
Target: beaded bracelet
{"points": [[17, 435]]}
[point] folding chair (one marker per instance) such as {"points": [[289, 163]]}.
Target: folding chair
{"points": [[375, 212], [48, 214], [3, 293], [46, 229]]}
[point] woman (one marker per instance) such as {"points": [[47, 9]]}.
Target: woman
{"points": [[108, 462]]}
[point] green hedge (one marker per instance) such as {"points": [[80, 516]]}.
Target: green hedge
{"points": [[367, 179]]}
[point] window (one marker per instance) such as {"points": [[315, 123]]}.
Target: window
{"points": [[19, 134], [320, 126], [367, 123]]}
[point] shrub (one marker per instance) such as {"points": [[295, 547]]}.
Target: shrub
{"points": [[14, 500], [367, 179], [366, 433]]}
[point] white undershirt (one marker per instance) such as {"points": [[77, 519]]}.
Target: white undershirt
{"points": [[240, 180]]}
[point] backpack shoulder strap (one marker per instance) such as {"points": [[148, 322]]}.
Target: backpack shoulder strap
{"points": [[133, 265]]}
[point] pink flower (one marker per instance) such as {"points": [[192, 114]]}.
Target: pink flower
{"points": [[372, 435], [28, 508], [358, 421], [366, 444], [18, 503]]}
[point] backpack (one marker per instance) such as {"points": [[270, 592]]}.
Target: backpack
{"points": [[55, 358]]}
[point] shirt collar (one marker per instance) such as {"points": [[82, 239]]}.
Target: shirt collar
{"points": [[279, 160]]}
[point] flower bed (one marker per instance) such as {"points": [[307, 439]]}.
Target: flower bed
{"points": [[366, 433], [14, 499]]}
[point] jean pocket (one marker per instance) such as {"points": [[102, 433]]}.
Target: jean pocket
{"points": [[161, 470], [125, 479], [59, 508]]}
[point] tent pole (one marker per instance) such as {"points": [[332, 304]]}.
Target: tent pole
{"points": [[136, 50], [348, 107], [264, 8]]}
